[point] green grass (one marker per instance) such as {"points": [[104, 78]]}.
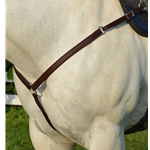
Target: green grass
{"points": [[137, 141], [17, 133]]}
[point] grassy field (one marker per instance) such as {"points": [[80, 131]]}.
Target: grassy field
{"points": [[17, 133]]}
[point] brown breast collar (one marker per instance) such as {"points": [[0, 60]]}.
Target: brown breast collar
{"points": [[100, 31]]}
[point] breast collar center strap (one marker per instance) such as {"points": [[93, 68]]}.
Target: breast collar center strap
{"points": [[100, 31]]}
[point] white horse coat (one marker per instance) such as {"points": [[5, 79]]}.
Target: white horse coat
{"points": [[96, 94]]}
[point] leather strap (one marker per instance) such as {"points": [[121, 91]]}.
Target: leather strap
{"points": [[42, 110], [34, 94], [81, 45], [33, 87]]}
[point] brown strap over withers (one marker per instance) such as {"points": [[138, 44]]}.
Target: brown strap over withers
{"points": [[100, 31]]}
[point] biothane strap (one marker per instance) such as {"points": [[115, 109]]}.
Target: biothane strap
{"points": [[34, 94], [101, 30], [81, 45]]}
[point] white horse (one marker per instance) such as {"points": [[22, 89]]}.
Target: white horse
{"points": [[96, 94]]}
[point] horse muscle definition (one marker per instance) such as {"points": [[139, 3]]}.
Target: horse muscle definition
{"points": [[95, 95]]}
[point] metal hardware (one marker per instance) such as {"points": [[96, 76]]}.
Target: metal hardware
{"points": [[140, 5], [101, 29], [132, 15], [32, 91]]}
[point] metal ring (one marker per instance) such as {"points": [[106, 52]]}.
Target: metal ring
{"points": [[31, 90], [139, 5]]}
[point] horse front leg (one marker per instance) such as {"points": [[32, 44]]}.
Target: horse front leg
{"points": [[107, 136], [42, 141]]}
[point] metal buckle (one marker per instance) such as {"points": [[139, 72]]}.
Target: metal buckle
{"points": [[132, 15], [101, 29]]}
